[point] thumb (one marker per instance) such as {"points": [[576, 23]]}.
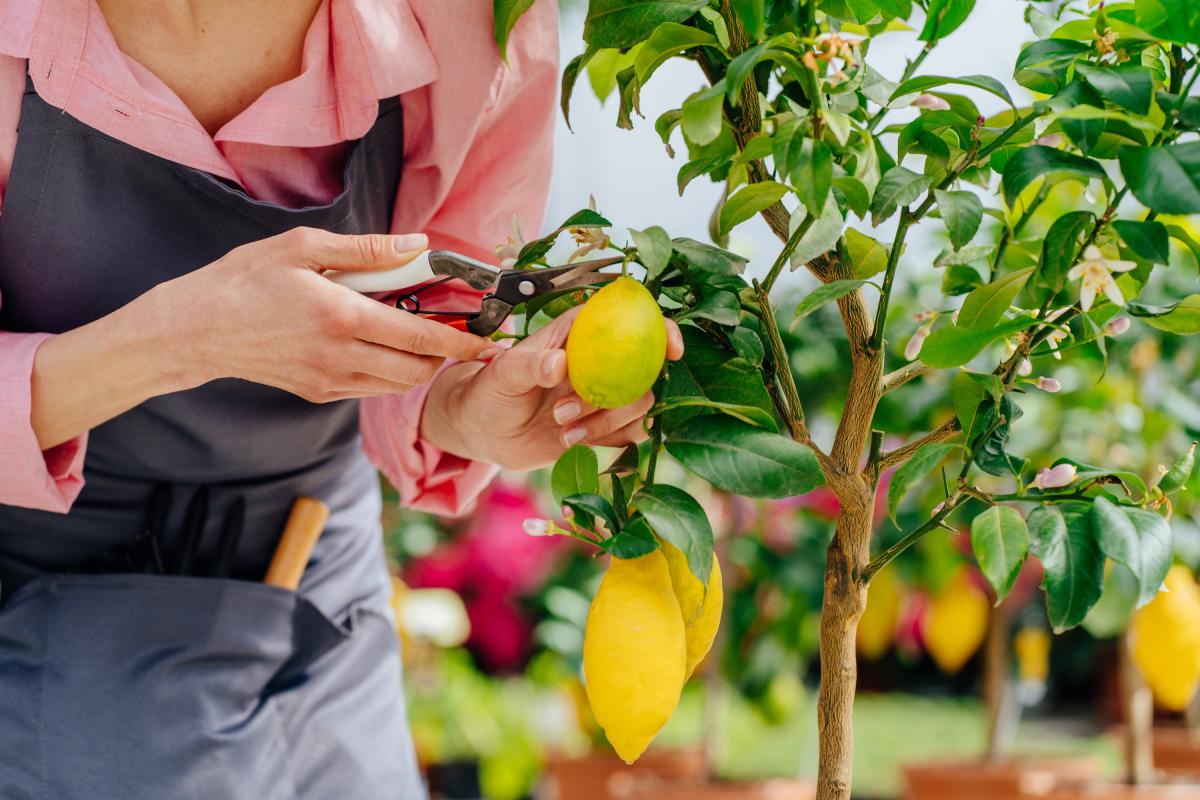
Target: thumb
{"points": [[319, 249], [519, 371]]}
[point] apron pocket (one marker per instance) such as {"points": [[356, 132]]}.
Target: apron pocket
{"points": [[149, 686]]}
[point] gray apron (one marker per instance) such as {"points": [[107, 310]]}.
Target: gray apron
{"points": [[129, 685]]}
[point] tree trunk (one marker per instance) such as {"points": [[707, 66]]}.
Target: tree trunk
{"points": [[845, 599], [1139, 718], [997, 686]]}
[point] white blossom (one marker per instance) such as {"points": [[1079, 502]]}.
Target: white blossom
{"points": [[508, 250], [536, 527], [588, 239], [1096, 273], [1025, 368]]}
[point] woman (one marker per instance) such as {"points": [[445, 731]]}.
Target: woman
{"points": [[174, 175]]}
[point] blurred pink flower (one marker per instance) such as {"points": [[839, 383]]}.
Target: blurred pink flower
{"points": [[499, 634]]}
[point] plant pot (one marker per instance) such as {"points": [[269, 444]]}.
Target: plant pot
{"points": [[1120, 791], [589, 777], [1000, 780], [650, 788], [1177, 750]]}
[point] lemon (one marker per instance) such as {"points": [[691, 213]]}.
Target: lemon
{"points": [[1166, 641], [701, 608], [617, 345], [1032, 646], [877, 627], [957, 623], [634, 653]]}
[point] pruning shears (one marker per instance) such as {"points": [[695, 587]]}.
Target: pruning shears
{"points": [[504, 289]]}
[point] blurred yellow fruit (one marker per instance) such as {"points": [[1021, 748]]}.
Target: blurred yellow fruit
{"points": [[877, 628], [617, 345], [1032, 646], [634, 652], [701, 608], [1166, 641], [957, 622]]}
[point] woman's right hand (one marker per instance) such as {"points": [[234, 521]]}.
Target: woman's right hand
{"points": [[264, 313]]}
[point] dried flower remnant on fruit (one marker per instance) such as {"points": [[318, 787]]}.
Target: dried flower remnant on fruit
{"points": [[509, 250], [588, 239], [1096, 273], [1055, 477]]}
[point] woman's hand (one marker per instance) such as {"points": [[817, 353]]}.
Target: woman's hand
{"points": [[519, 411], [262, 313]]}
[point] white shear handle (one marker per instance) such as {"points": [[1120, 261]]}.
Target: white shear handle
{"points": [[413, 273]]}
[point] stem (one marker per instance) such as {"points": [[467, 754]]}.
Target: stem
{"points": [[910, 69], [888, 556], [948, 430], [889, 276], [655, 446], [910, 371], [1139, 718], [786, 253], [1003, 713]]}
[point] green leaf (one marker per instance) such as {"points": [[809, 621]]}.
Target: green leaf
{"points": [[963, 214], [968, 390], [812, 174], [825, 293], [748, 344], [868, 255], [753, 15], [709, 258], [654, 250], [954, 346], [702, 114], [1148, 240], [668, 40], [1139, 539], [853, 194], [751, 415], [624, 23], [1061, 246], [701, 166], [1130, 87], [1118, 600], [1034, 162], [722, 308], [1182, 318], [575, 472], [602, 70], [944, 17], [585, 218], [569, 77], [628, 91], [1063, 539], [587, 506], [1164, 179], [1001, 543], [913, 471], [739, 69], [507, 12], [898, 187], [743, 459], [927, 82], [708, 372], [748, 201], [634, 541], [676, 516], [1180, 472], [986, 306], [1085, 473], [1177, 20], [970, 254], [821, 237], [960, 279]]}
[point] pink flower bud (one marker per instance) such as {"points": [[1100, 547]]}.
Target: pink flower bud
{"points": [[931, 102], [1048, 385], [568, 512], [1055, 477], [1025, 368], [1049, 140], [536, 527], [1117, 326], [924, 316], [913, 348]]}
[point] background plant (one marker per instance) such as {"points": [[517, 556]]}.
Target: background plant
{"points": [[794, 122]]}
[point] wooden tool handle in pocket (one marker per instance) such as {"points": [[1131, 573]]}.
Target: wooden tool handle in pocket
{"points": [[305, 523]]}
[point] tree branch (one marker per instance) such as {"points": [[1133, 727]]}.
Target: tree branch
{"points": [[895, 458], [910, 371], [888, 556]]}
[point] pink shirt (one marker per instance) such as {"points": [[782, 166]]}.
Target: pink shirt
{"points": [[478, 137]]}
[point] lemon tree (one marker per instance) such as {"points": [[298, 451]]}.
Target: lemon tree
{"points": [[1064, 211]]}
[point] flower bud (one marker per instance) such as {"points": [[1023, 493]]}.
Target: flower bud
{"points": [[931, 102], [1055, 477], [1049, 140], [1048, 384], [1025, 368], [1117, 326], [913, 348], [536, 527]]}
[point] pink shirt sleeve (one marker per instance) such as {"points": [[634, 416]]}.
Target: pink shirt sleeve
{"points": [[502, 170], [29, 477]]}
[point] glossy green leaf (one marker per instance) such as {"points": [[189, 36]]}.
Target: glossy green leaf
{"points": [[898, 187], [868, 255], [853, 194], [587, 507], [1038, 161], [812, 174], [1176, 20], [908, 476], [1063, 539], [1165, 179], [570, 77], [624, 23], [634, 541], [1061, 247], [944, 17], [988, 304], [963, 214], [654, 250], [575, 472], [1001, 543], [507, 12], [702, 114], [751, 415], [953, 346], [1128, 86], [1182, 318], [753, 15], [709, 373], [1148, 240], [676, 516], [1139, 539], [721, 307], [927, 82], [825, 293], [745, 460], [1131, 482], [748, 201], [668, 40]]}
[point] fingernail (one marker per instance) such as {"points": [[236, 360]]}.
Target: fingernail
{"points": [[565, 412], [409, 242], [574, 436], [552, 363]]}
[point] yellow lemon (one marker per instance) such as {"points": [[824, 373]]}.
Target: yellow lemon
{"points": [[957, 623], [877, 627], [701, 608], [1032, 646], [1166, 641], [617, 345], [634, 652]]}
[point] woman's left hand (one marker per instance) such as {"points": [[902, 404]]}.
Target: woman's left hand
{"points": [[519, 411]]}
